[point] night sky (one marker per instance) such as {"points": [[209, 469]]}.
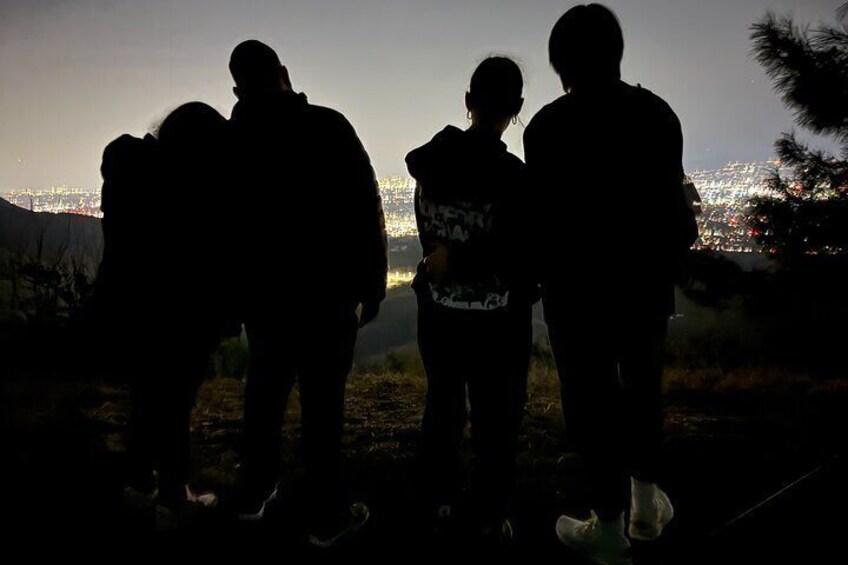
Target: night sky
{"points": [[74, 74]]}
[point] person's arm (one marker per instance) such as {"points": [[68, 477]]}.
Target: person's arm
{"points": [[519, 240], [537, 212], [107, 195], [119, 169], [537, 144], [369, 224], [684, 227]]}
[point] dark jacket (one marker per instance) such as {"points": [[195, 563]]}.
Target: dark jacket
{"points": [[470, 197], [607, 168], [313, 219], [166, 267], [123, 287]]}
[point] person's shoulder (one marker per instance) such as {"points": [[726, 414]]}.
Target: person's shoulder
{"points": [[443, 147], [327, 117], [550, 117], [324, 112], [552, 111], [513, 161], [649, 100], [509, 168]]}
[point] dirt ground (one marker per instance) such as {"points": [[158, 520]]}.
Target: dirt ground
{"points": [[726, 451]]}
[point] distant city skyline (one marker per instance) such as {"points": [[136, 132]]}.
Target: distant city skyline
{"points": [[74, 75], [724, 194]]}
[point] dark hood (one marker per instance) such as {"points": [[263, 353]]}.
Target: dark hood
{"points": [[128, 157], [450, 150]]}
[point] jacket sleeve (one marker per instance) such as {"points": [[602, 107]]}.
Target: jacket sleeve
{"points": [[539, 212], [684, 228], [520, 240], [117, 169], [367, 219], [113, 168]]}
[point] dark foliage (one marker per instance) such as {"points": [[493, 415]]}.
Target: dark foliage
{"points": [[807, 213]]}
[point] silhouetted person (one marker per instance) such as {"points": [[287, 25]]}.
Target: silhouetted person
{"points": [[606, 159], [314, 248], [474, 296], [163, 288]]}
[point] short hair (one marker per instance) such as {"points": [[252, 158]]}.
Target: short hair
{"points": [[254, 62], [496, 86], [587, 45]]}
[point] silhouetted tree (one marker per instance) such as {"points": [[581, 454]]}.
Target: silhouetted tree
{"points": [[808, 211]]}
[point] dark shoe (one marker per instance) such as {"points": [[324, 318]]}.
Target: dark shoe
{"points": [[445, 523], [346, 526], [176, 513], [140, 492], [137, 500], [252, 506], [500, 533]]}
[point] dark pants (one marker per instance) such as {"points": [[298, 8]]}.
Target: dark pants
{"points": [[489, 353], [163, 387], [316, 350], [610, 371]]}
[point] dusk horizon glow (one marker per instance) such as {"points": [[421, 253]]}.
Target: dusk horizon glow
{"points": [[75, 75]]}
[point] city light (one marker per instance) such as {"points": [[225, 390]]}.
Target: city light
{"points": [[724, 192], [57, 199]]}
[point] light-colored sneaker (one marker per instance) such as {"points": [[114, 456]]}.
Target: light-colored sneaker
{"points": [[358, 514], [650, 510], [600, 541], [205, 500]]}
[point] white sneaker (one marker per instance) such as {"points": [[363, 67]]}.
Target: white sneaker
{"points": [[205, 500], [650, 510], [602, 542]]}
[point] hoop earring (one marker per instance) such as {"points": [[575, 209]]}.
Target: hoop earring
{"points": [[468, 115]]}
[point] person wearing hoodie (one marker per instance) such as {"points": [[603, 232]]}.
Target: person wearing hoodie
{"points": [[314, 251], [475, 294]]}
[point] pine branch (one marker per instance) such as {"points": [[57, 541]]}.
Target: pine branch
{"points": [[808, 69], [842, 14]]}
